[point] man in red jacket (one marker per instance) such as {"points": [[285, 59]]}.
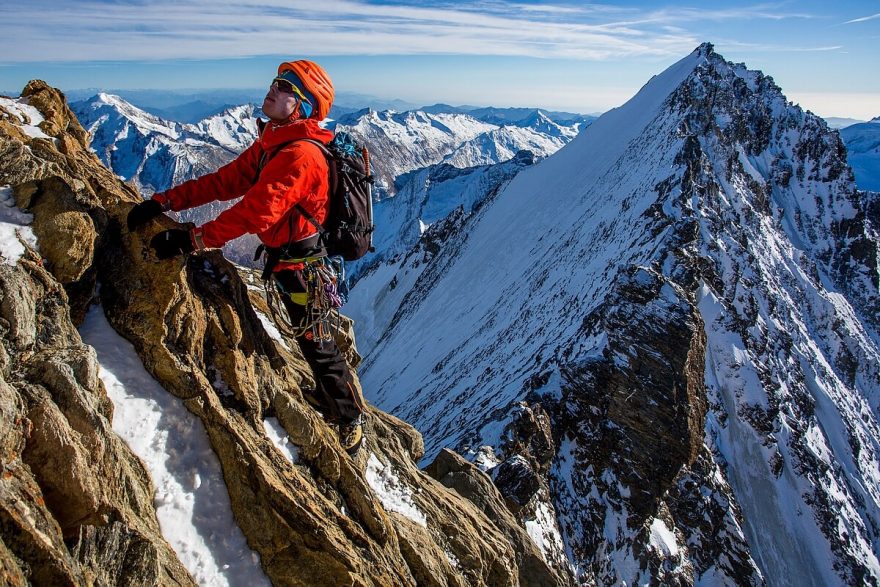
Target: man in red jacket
{"points": [[273, 175]]}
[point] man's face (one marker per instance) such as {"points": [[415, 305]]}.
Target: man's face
{"points": [[278, 105]]}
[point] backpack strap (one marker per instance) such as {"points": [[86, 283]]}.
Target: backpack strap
{"points": [[312, 220], [328, 156], [331, 188]]}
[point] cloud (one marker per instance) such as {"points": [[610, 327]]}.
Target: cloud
{"points": [[78, 30], [863, 19], [860, 105]]}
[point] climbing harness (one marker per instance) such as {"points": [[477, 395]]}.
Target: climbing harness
{"points": [[326, 292]]}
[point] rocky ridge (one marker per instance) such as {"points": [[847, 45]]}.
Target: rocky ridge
{"points": [[689, 292], [76, 504]]}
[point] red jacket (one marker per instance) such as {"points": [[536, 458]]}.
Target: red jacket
{"points": [[296, 173]]}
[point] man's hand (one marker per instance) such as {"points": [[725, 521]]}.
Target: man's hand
{"points": [[170, 243], [143, 213]]}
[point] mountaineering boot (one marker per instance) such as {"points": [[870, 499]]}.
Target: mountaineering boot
{"points": [[351, 435]]}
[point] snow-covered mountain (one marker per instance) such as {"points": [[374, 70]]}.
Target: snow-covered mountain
{"points": [[507, 116], [537, 134], [154, 153], [407, 141], [661, 342], [863, 152]]}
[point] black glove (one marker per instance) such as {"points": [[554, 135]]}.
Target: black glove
{"points": [[170, 243], [143, 213]]}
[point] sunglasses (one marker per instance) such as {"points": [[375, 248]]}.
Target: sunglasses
{"points": [[286, 87]]}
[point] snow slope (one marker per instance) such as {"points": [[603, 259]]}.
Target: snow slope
{"points": [[711, 189]]}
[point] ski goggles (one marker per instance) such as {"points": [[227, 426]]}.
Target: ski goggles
{"points": [[288, 83]]}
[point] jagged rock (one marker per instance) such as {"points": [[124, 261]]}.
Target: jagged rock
{"points": [[467, 480], [646, 413], [526, 450], [76, 504], [517, 481], [638, 419], [530, 434], [699, 502], [63, 225], [59, 120], [116, 554], [62, 467], [11, 572]]}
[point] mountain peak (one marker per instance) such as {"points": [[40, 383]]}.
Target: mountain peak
{"points": [[705, 49], [537, 117], [707, 215]]}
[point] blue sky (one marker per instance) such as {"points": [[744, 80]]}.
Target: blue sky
{"points": [[582, 57]]}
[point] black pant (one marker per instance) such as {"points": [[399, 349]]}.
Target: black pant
{"points": [[335, 388]]}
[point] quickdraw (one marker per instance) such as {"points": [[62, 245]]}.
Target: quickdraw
{"points": [[325, 294]]}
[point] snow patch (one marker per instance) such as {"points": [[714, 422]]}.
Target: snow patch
{"points": [[544, 533], [13, 228], [272, 329], [28, 116], [191, 500], [394, 494], [662, 539], [278, 435]]}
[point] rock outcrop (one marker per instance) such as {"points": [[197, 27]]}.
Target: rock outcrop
{"points": [[76, 503]]}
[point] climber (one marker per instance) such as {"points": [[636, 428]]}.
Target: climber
{"points": [[273, 175]]}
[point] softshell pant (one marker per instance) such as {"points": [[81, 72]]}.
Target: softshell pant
{"points": [[335, 388]]}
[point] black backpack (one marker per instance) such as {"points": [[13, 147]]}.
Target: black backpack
{"points": [[348, 228]]}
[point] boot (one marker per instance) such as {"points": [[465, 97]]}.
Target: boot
{"points": [[351, 435]]}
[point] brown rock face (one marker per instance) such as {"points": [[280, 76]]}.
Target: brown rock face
{"points": [[652, 398], [638, 413], [464, 478], [69, 487], [76, 504]]}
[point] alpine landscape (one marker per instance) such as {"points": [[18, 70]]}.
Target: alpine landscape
{"points": [[638, 349]]}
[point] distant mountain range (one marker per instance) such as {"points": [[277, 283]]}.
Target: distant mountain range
{"points": [[837, 122], [863, 152]]}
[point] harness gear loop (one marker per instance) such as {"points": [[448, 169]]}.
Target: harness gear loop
{"points": [[322, 299]]}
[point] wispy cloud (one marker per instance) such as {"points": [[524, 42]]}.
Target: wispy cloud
{"points": [[863, 19], [777, 47], [202, 29]]}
